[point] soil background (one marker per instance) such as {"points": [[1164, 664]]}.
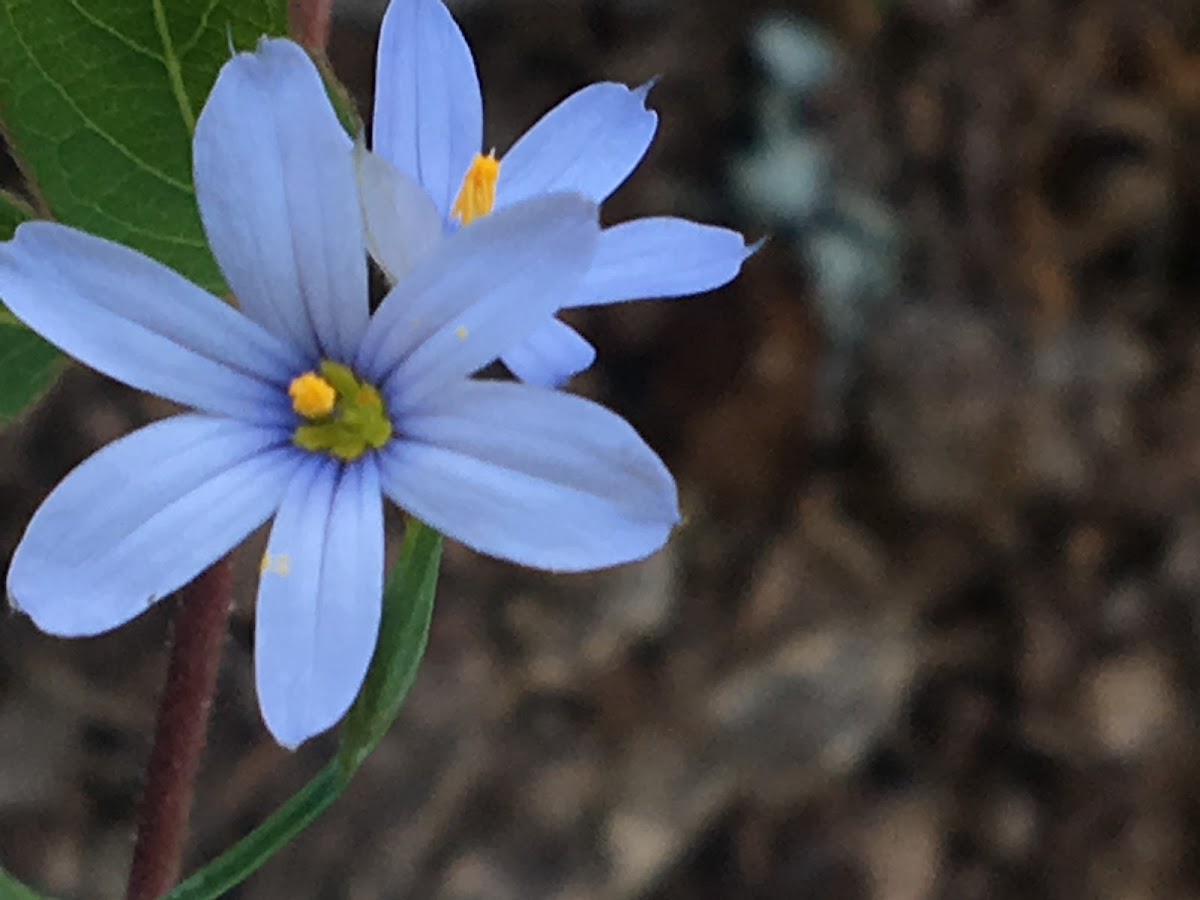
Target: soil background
{"points": [[929, 629]]}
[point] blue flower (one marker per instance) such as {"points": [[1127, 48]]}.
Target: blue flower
{"points": [[309, 409], [428, 124]]}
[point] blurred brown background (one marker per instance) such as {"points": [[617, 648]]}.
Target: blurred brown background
{"points": [[930, 627]]}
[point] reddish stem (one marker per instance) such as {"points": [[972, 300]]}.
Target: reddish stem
{"points": [[200, 626], [309, 21]]}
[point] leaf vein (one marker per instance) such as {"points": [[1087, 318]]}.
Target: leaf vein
{"points": [[87, 121], [194, 38], [96, 21], [174, 72]]}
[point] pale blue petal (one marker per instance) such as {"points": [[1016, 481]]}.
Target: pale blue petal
{"points": [[534, 476], [276, 187], [589, 143], [550, 356], [428, 111], [143, 517], [320, 597], [135, 320], [403, 225], [660, 257], [482, 291]]}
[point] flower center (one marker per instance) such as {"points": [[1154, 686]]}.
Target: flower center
{"points": [[477, 195], [345, 416]]}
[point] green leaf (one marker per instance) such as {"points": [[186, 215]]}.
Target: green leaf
{"points": [[28, 366], [13, 211], [99, 99], [11, 889], [407, 610]]}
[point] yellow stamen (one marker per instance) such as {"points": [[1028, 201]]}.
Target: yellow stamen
{"points": [[477, 195], [347, 419], [312, 396], [461, 332]]}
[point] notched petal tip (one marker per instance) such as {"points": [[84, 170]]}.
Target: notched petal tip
{"points": [[285, 733], [287, 743], [269, 44], [661, 257], [267, 50], [642, 91], [753, 248], [590, 142]]}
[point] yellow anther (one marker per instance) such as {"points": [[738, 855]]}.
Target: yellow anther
{"points": [[346, 417], [477, 195], [312, 396], [461, 332]]}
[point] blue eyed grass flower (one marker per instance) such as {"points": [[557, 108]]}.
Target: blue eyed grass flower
{"points": [[428, 124], [307, 409]]}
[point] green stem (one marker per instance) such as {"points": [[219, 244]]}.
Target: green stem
{"points": [[238, 863], [11, 889]]}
